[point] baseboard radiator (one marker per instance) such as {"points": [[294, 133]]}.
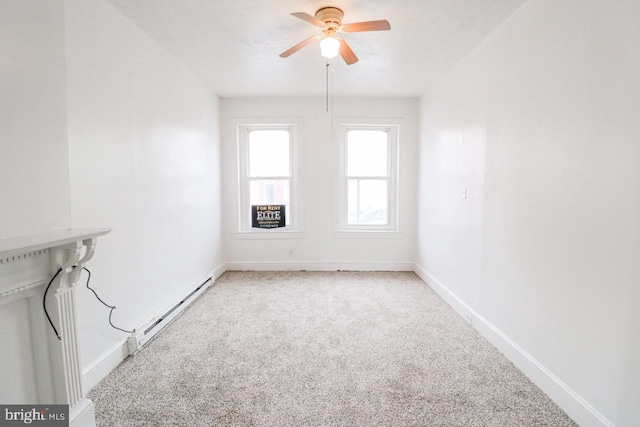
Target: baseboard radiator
{"points": [[143, 335]]}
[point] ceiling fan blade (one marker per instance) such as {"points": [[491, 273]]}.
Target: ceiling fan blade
{"points": [[346, 53], [356, 27], [310, 19], [299, 46]]}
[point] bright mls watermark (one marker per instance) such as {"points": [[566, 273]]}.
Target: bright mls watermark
{"points": [[35, 415]]}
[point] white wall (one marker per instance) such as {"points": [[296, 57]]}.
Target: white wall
{"points": [[542, 123], [34, 195], [320, 247], [144, 160]]}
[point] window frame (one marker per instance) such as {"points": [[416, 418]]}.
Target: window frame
{"points": [[392, 128], [244, 180]]}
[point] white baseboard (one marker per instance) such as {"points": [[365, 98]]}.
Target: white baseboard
{"points": [[104, 364], [571, 402], [319, 266], [218, 271], [82, 414]]}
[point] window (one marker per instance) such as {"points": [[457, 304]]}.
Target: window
{"points": [[266, 170], [368, 183]]}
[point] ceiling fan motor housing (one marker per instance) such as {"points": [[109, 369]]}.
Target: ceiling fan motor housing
{"points": [[332, 16]]}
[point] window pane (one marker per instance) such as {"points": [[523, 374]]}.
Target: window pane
{"points": [[269, 153], [367, 202], [367, 153], [270, 192]]}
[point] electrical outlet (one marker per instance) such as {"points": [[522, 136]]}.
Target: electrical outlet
{"points": [[291, 253], [468, 318]]}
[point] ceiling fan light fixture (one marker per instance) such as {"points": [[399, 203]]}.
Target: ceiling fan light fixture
{"points": [[330, 47]]}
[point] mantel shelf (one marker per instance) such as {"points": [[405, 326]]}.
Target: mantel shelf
{"points": [[50, 239]]}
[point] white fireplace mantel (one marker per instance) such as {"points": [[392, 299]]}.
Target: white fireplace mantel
{"points": [[42, 368]]}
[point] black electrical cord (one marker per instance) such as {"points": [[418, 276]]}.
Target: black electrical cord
{"points": [[44, 304], [112, 307]]}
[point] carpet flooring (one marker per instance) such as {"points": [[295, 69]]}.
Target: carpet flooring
{"points": [[321, 349]]}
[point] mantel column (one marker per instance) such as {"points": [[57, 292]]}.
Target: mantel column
{"points": [[70, 259]]}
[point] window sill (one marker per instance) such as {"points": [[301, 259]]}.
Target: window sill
{"points": [[266, 235], [368, 234]]}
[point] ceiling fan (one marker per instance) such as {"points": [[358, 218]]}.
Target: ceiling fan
{"points": [[329, 20]]}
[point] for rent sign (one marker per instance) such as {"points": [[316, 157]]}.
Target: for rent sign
{"points": [[268, 216]]}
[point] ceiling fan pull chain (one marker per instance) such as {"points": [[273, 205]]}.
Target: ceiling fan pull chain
{"points": [[331, 71], [327, 95]]}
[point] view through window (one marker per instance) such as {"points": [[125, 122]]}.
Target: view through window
{"points": [[368, 176]]}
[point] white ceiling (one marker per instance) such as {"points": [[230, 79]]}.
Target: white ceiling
{"points": [[234, 44]]}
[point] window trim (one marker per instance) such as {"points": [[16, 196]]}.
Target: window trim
{"points": [[244, 180], [392, 127]]}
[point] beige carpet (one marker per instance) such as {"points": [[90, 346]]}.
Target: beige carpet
{"points": [[321, 349]]}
